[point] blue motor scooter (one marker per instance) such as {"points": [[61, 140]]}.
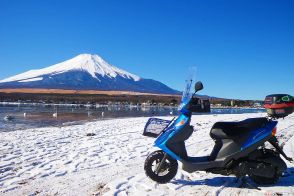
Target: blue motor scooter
{"points": [[239, 146]]}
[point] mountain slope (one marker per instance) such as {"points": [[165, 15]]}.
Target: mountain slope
{"points": [[85, 72]]}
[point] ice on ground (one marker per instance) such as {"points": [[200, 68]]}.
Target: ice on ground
{"points": [[109, 161]]}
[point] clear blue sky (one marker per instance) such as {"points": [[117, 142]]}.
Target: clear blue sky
{"points": [[242, 49]]}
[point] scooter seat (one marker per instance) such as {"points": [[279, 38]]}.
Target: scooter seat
{"points": [[223, 130]]}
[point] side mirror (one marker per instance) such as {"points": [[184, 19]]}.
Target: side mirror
{"points": [[198, 86]]}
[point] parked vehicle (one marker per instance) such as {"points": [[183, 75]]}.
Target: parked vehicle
{"points": [[239, 146]]}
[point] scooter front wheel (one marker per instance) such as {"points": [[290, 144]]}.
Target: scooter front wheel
{"points": [[160, 167]]}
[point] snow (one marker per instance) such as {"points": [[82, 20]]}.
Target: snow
{"points": [[93, 64], [65, 161], [31, 79]]}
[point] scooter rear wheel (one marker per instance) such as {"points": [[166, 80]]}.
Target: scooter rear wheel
{"points": [[168, 168], [276, 164], [264, 180]]}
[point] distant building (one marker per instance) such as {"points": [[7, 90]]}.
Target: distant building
{"points": [[257, 104], [232, 103]]}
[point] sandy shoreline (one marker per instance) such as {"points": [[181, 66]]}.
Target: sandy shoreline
{"points": [[65, 161]]}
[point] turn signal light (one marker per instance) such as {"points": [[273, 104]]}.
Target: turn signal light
{"points": [[274, 131]]}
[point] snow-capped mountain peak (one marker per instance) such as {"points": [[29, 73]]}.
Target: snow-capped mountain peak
{"points": [[93, 64], [85, 72]]}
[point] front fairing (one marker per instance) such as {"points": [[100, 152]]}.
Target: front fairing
{"points": [[183, 107], [174, 128]]}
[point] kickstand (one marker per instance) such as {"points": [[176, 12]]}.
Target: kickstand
{"points": [[245, 182]]}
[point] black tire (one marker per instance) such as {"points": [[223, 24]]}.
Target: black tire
{"points": [[264, 180], [168, 171], [277, 164]]}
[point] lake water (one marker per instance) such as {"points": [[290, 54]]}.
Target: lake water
{"points": [[29, 116]]}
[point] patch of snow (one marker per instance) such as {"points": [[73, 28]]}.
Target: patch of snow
{"points": [[31, 79], [65, 161], [93, 64]]}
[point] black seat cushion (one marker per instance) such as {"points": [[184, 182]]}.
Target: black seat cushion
{"points": [[222, 130]]}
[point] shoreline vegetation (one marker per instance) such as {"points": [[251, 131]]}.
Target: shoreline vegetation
{"points": [[101, 98]]}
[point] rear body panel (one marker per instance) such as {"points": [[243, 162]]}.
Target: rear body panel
{"points": [[259, 134]]}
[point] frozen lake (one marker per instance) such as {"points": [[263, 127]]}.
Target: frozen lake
{"points": [[35, 116]]}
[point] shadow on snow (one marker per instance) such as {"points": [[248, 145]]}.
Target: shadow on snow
{"points": [[230, 181]]}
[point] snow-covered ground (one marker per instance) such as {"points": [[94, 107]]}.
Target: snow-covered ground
{"points": [[65, 161]]}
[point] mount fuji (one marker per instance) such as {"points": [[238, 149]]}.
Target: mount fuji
{"points": [[85, 72]]}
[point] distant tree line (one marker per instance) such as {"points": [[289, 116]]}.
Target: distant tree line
{"points": [[235, 103], [90, 98]]}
